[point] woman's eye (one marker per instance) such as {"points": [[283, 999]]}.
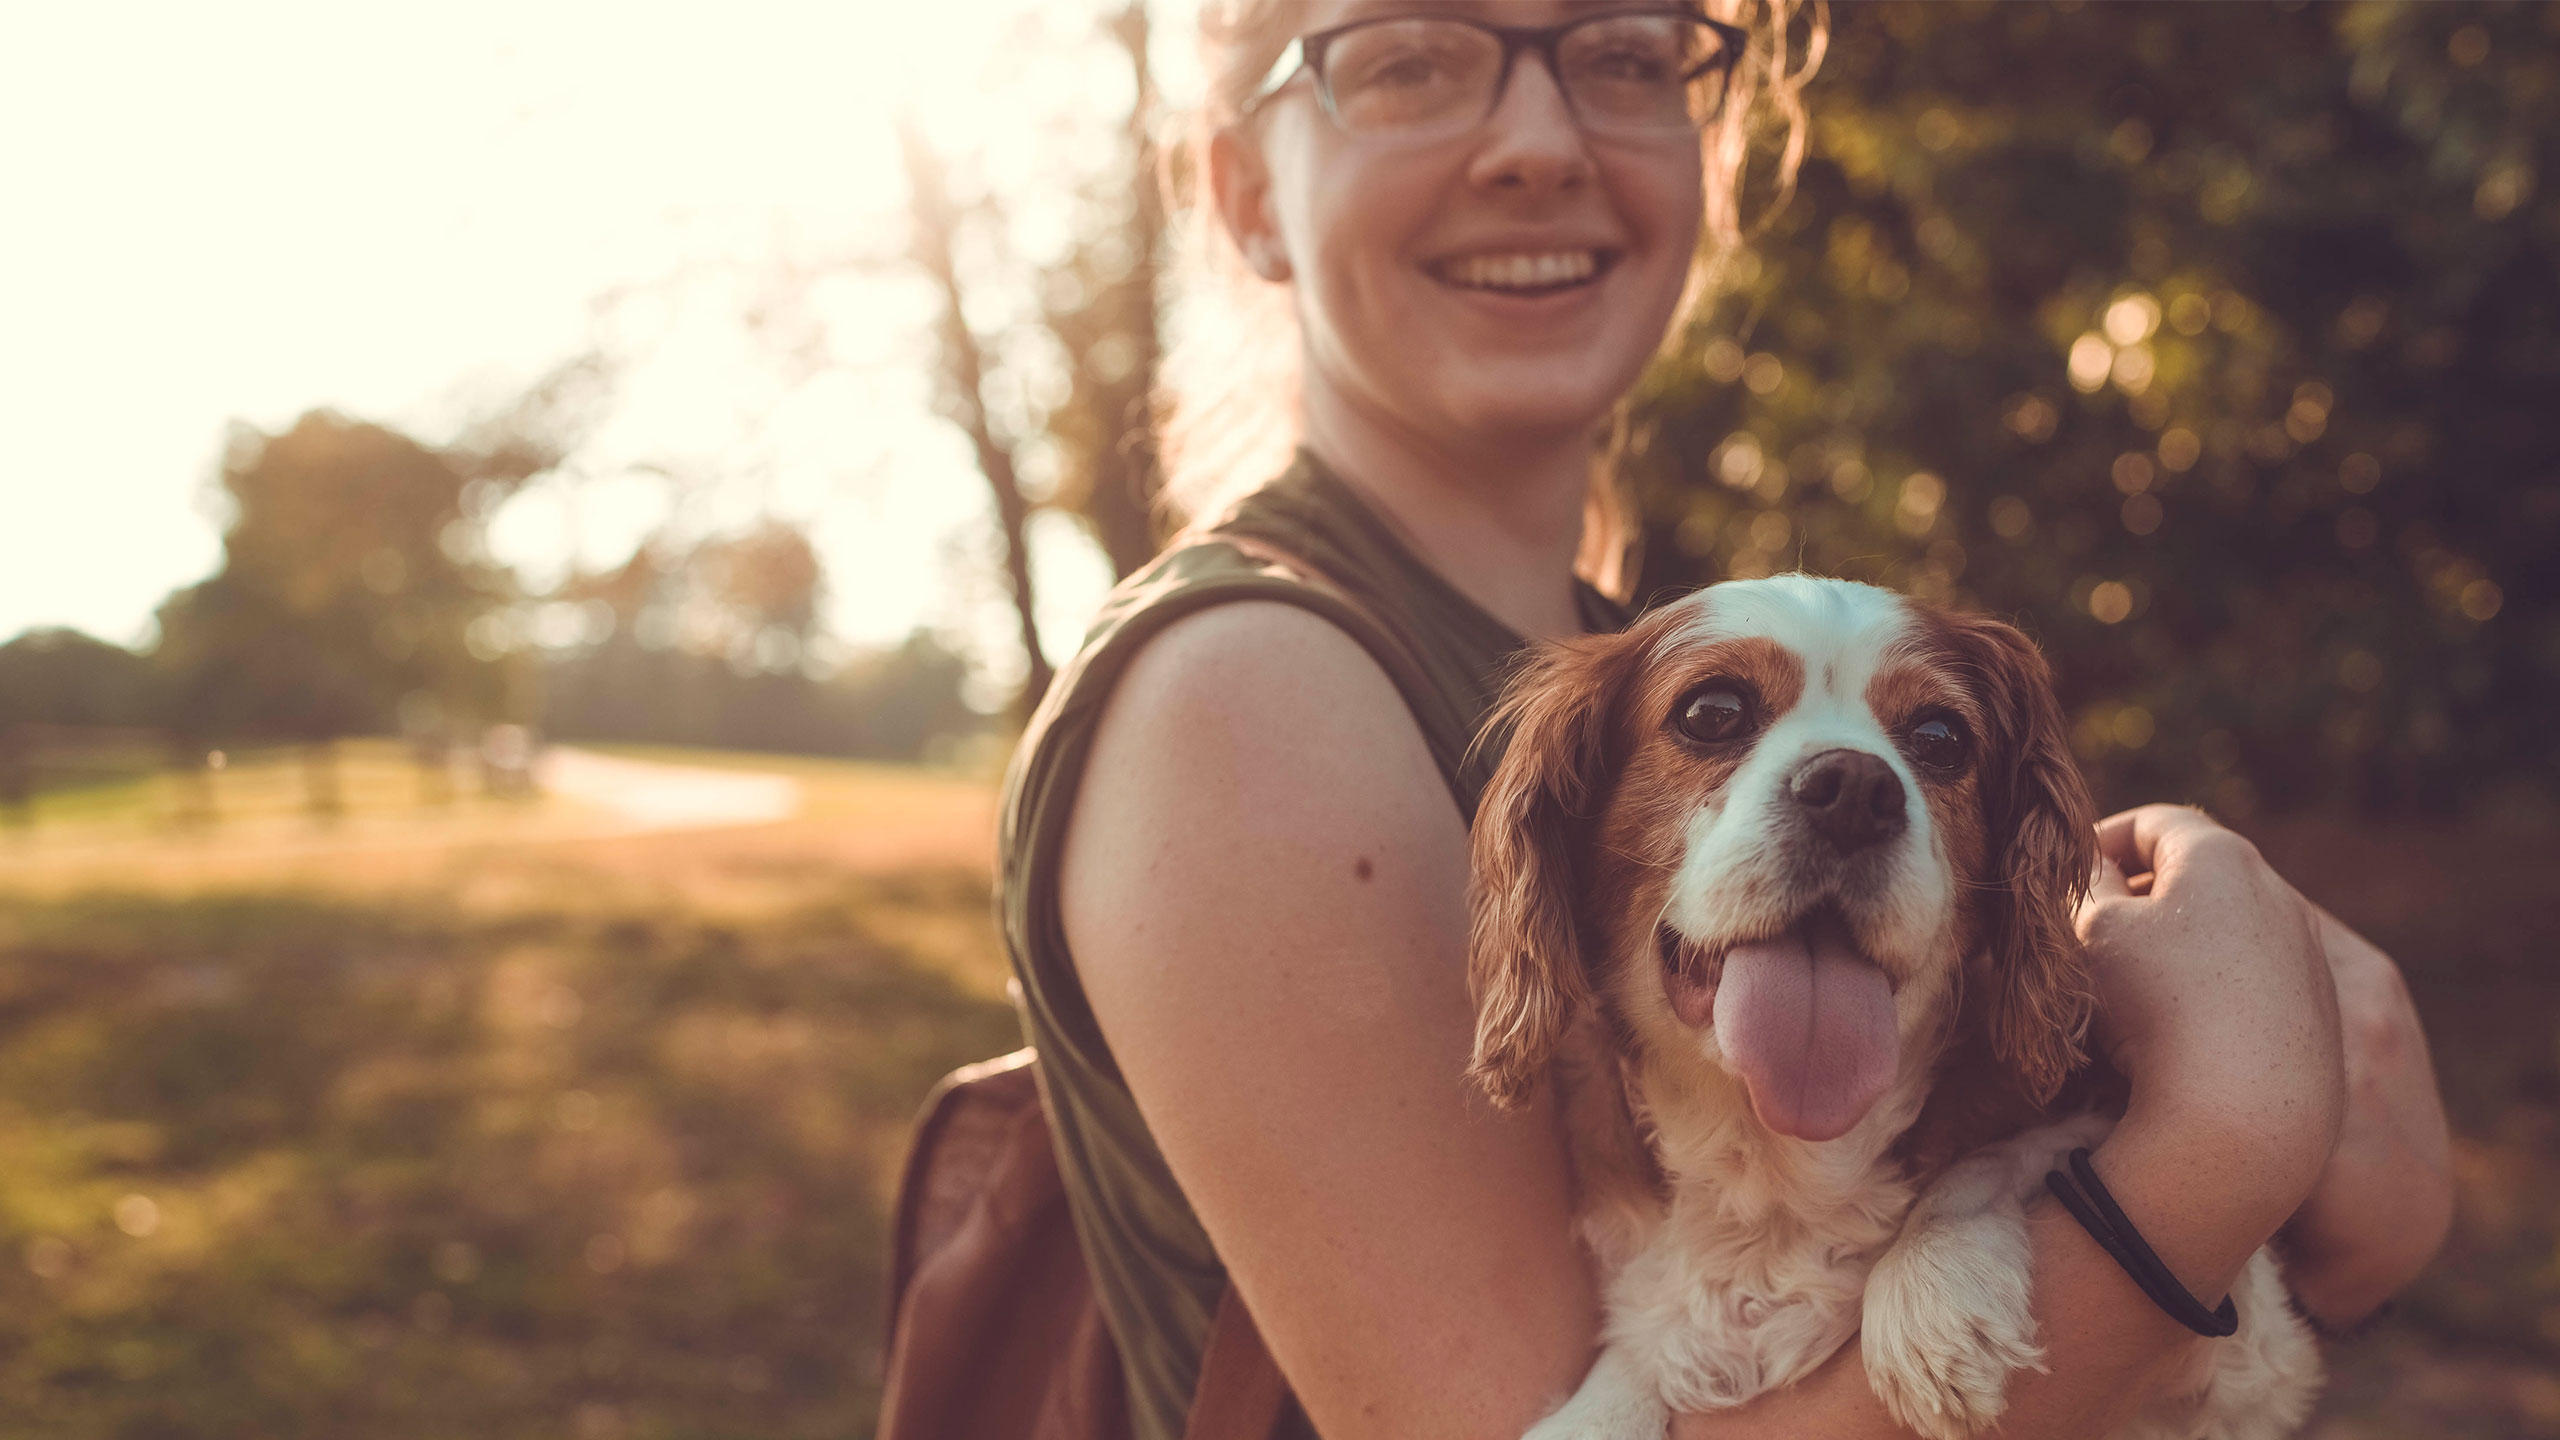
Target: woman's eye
{"points": [[1410, 70], [1627, 64], [1713, 712], [1938, 743]]}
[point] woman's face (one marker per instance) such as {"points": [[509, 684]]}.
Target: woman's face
{"points": [[1505, 283]]}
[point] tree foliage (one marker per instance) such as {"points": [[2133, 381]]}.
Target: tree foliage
{"points": [[719, 644], [62, 677], [2215, 343], [351, 582]]}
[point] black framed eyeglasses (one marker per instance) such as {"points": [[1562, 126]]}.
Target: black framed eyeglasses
{"points": [[1628, 72]]}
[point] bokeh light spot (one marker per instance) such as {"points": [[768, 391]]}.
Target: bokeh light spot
{"points": [[1917, 511], [2131, 320], [1722, 360], [2179, 449], [2133, 727], [2010, 518], [2142, 514], [49, 1257], [2110, 602], [137, 1216], [2091, 359]]}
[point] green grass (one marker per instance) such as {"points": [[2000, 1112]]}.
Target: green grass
{"points": [[482, 1133], [285, 1164]]}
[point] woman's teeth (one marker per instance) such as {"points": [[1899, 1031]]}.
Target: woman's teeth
{"points": [[1521, 272]]}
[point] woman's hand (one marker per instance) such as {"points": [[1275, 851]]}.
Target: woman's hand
{"points": [[2385, 1200], [2217, 1003]]}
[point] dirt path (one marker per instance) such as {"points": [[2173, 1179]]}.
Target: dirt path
{"points": [[646, 795]]}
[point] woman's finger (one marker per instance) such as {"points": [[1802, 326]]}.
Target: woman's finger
{"points": [[2141, 840], [2106, 880]]}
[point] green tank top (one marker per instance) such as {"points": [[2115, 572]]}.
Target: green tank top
{"points": [[1154, 1271]]}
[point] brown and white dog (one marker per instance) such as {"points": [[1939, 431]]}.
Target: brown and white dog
{"points": [[1805, 854]]}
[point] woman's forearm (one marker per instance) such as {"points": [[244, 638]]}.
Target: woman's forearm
{"points": [[2383, 1206], [2106, 1345]]}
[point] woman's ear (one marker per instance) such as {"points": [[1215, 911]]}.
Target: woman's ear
{"points": [[1524, 954], [2042, 827], [1240, 180]]}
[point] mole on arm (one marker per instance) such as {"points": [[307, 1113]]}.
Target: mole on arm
{"points": [[1362, 869]]}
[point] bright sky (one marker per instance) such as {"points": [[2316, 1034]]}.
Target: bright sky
{"points": [[251, 209]]}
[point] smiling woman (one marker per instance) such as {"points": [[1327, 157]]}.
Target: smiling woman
{"points": [[1234, 410]]}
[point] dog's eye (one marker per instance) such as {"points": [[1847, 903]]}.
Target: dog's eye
{"points": [[1719, 710], [1938, 742]]}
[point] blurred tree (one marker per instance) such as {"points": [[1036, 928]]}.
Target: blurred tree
{"points": [[2217, 344], [720, 644], [763, 587], [1060, 394], [352, 582], [899, 703], [55, 679], [63, 677]]}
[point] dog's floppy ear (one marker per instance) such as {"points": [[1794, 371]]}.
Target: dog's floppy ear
{"points": [[1524, 960], [2041, 828]]}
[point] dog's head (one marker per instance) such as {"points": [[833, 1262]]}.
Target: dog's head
{"points": [[1784, 830]]}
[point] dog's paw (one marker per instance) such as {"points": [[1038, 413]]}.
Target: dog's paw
{"points": [[1946, 1321], [1616, 1402]]}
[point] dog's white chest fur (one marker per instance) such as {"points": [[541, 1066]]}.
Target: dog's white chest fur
{"points": [[1709, 1311]]}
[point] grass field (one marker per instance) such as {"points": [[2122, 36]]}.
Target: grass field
{"points": [[503, 1119], [512, 1127]]}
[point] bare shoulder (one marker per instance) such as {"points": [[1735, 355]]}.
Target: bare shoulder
{"points": [[1265, 720], [1264, 893], [1258, 667]]}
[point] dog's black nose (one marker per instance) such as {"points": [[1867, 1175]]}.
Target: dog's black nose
{"points": [[1850, 798]]}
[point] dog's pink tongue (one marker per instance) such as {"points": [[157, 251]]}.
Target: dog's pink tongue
{"points": [[1807, 1022]]}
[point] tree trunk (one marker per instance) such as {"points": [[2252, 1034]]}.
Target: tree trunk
{"points": [[1127, 475], [962, 374]]}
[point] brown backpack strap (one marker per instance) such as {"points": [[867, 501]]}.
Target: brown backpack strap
{"points": [[1241, 1389]]}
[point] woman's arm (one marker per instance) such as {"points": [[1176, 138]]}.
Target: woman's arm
{"points": [[1264, 890], [1264, 887], [2386, 1200]]}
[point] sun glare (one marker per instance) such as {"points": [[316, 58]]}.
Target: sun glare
{"points": [[250, 211]]}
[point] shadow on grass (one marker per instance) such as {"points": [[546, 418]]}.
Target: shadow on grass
{"points": [[285, 1165]]}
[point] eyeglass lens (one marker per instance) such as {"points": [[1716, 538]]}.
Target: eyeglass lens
{"points": [[1423, 74]]}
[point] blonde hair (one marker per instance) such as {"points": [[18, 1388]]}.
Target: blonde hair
{"points": [[1227, 394]]}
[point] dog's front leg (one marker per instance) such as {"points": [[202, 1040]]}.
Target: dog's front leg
{"points": [[1619, 1400], [1946, 1314]]}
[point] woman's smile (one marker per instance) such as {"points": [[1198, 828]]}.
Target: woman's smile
{"points": [[1523, 271]]}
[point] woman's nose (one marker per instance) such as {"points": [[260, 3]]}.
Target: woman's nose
{"points": [[1531, 141]]}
